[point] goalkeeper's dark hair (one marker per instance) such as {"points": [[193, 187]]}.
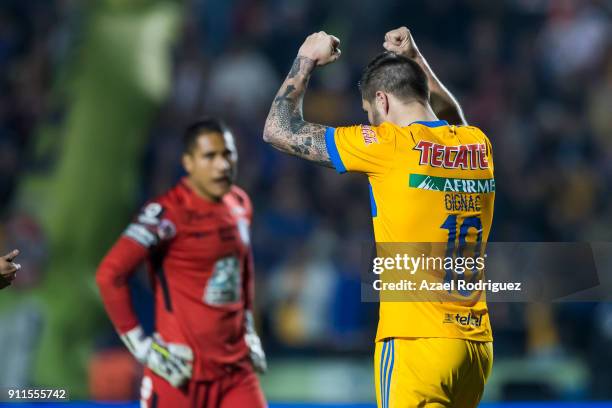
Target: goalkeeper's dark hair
{"points": [[200, 127], [394, 74]]}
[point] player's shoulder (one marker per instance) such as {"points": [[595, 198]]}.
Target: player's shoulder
{"points": [[154, 223], [169, 198], [168, 202], [385, 132], [238, 197], [473, 131], [371, 134]]}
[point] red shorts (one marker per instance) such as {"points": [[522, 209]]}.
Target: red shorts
{"points": [[238, 389]]}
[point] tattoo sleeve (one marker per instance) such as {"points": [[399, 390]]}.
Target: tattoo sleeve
{"points": [[286, 128]]}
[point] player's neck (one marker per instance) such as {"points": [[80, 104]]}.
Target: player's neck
{"points": [[200, 192], [410, 113]]}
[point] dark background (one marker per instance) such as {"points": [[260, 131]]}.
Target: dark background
{"points": [[535, 75]]}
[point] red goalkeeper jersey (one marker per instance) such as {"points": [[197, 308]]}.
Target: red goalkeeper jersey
{"points": [[200, 262]]}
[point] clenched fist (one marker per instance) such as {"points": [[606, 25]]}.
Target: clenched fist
{"points": [[8, 268], [321, 48], [400, 41]]}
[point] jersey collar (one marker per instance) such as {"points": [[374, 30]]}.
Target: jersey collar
{"points": [[431, 123], [195, 199]]}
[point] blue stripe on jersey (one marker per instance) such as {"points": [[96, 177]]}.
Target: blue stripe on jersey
{"points": [[388, 392], [382, 384], [332, 150], [373, 206], [431, 123]]}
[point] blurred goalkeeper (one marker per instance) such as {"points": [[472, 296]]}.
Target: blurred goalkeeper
{"points": [[195, 241]]}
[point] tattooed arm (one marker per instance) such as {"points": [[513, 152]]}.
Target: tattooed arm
{"points": [[285, 127]]}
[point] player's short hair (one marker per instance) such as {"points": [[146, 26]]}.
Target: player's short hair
{"points": [[199, 127], [394, 74]]}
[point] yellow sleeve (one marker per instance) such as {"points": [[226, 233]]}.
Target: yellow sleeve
{"points": [[366, 149]]}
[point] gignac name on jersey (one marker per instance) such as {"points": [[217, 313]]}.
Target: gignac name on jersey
{"points": [[469, 156]]}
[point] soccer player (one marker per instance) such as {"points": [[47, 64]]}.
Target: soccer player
{"points": [[8, 268], [195, 240], [423, 172]]}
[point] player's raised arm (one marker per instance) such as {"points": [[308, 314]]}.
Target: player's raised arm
{"points": [[443, 103], [285, 127]]}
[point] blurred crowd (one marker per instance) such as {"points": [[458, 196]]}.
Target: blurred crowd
{"points": [[35, 39], [535, 75]]}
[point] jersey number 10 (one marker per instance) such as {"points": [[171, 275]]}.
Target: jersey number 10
{"points": [[456, 249]]}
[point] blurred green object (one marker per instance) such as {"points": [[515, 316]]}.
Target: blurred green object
{"points": [[119, 76]]}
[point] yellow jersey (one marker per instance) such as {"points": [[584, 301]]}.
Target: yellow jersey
{"points": [[429, 183]]}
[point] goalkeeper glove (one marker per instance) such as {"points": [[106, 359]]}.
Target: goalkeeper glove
{"points": [[258, 357], [171, 361]]}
